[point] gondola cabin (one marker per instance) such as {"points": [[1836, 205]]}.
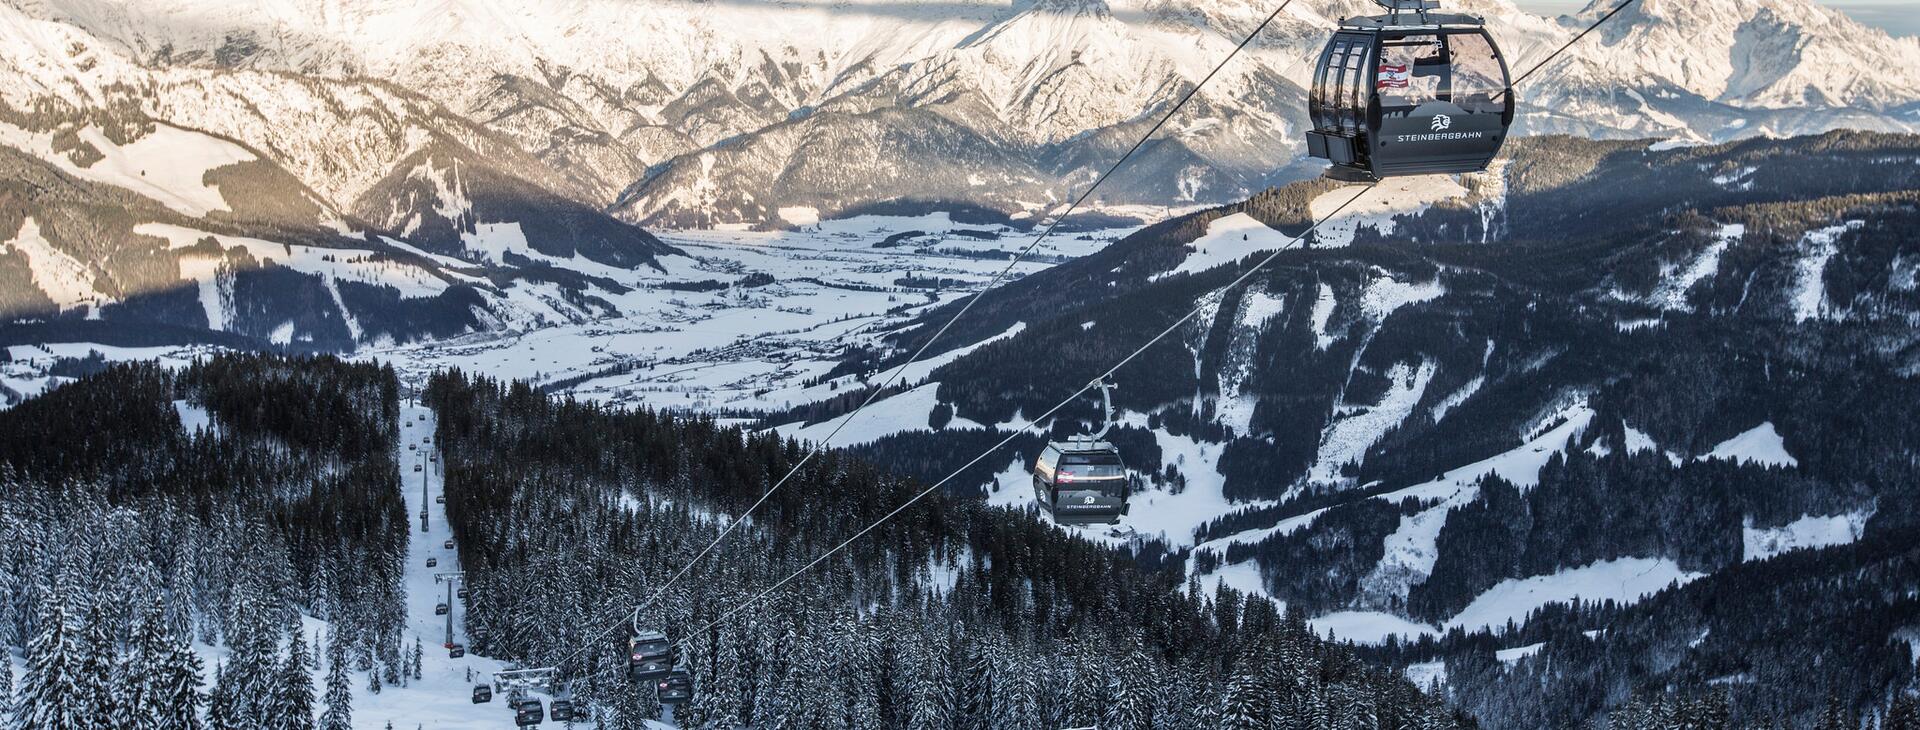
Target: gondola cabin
{"points": [[560, 711], [1081, 482], [440, 609], [676, 688], [482, 693], [456, 651], [649, 656], [527, 713], [1409, 93]]}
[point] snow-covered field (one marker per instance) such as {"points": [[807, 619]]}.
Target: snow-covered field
{"points": [[836, 284]]}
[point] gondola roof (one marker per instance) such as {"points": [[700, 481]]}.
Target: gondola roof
{"points": [[1420, 21]]}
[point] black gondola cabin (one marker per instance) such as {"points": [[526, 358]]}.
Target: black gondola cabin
{"points": [[482, 693], [1081, 482], [676, 688], [1409, 93], [649, 656], [527, 713]]}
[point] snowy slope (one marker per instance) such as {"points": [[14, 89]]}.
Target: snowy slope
{"points": [[1760, 445], [1625, 580]]}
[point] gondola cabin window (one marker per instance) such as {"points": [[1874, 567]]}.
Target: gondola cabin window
{"points": [[1412, 72], [1479, 77]]}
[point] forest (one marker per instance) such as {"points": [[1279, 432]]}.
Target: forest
{"points": [[151, 516], [129, 537], [951, 615]]}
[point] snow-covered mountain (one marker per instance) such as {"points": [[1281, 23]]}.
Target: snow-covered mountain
{"points": [[685, 112]]}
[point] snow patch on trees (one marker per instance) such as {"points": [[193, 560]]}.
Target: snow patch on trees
{"points": [[1358, 426], [1672, 291], [169, 165], [1369, 628], [1807, 533], [1514, 655], [1228, 239], [1622, 580], [1809, 296], [63, 278], [1760, 445]]}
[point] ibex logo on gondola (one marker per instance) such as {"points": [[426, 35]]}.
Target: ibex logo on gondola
{"points": [[1442, 122]]}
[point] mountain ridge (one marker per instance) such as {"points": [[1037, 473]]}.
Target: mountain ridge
{"points": [[744, 92]]}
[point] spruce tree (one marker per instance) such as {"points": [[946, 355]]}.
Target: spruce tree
{"points": [[177, 690], [142, 668], [978, 689], [293, 706], [50, 695], [339, 712], [1131, 707], [6, 685], [100, 692], [222, 714], [1244, 707]]}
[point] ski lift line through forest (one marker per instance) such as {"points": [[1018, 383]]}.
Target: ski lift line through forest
{"points": [[1092, 384], [997, 279]]}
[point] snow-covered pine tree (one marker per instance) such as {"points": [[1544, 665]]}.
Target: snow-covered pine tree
{"points": [[1245, 706], [339, 712], [1086, 684], [253, 638], [221, 712], [6, 685], [393, 671], [141, 667], [1019, 693], [930, 685], [49, 697], [373, 679], [177, 687], [100, 690], [293, 694], [1130, 704], [418, 653], [1902, 714], [977, 690]]}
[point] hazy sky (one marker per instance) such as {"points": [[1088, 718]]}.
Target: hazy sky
{"points": [[1899, 17]]}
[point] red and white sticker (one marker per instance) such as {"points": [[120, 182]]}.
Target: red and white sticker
{"points": [[1394, 77]]}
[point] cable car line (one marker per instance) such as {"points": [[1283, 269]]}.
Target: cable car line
{"points": [[680, 674], [820, 446], [1095, 383]]}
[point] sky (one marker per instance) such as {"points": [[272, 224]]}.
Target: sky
{"points": [[1899, 17]]}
